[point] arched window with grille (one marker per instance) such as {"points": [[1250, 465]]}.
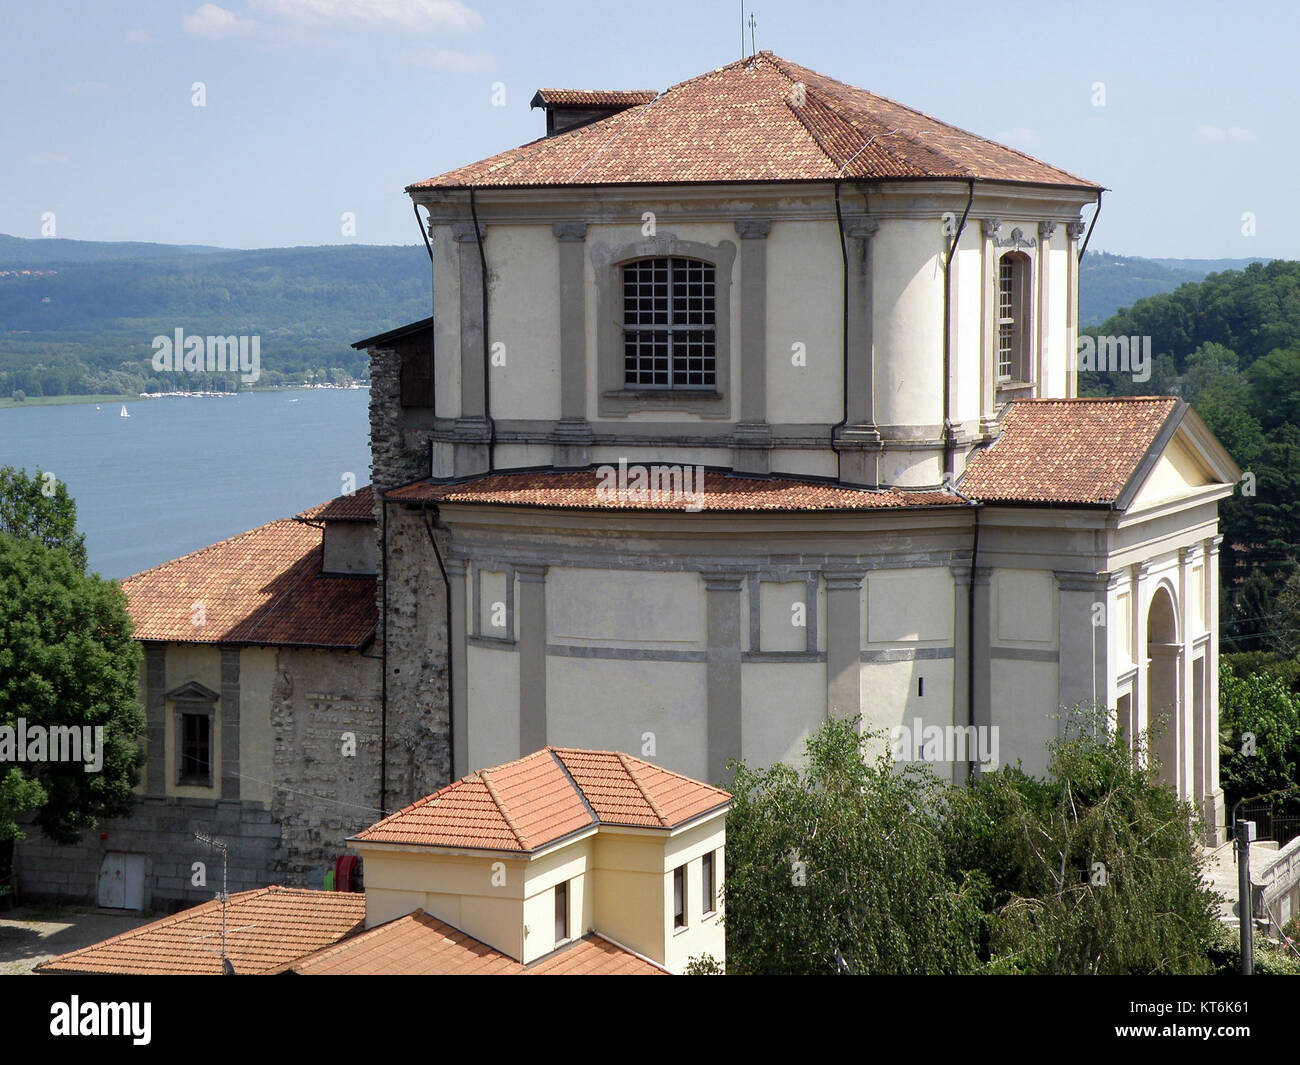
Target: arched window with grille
{"points": [[669, 324], [1013, 318]]}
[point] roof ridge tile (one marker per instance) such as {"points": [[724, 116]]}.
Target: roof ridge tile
{"points": [[654, 806], [501, 808]]}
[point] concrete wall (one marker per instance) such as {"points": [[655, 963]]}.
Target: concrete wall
{"points": [[349, 548]]}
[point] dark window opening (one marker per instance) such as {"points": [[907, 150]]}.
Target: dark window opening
{"points": [[561, 912], [709, 888], [679, 897], [196, 748]]}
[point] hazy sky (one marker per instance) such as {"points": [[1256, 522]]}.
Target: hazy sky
{"points": [[319, 107]]}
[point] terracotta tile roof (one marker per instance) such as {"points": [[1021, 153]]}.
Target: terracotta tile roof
{"points": [[593, 97], [582, 490], [359, 506], [421, 945], [265, 929], [742, 122], [1068, 451], [545, 796], [623, 790], [260, 587]]}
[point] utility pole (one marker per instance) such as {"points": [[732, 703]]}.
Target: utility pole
{"points": [[227, 967], [1245, 832]]}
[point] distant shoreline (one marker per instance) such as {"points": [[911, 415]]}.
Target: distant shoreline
{"points": [[8, 403]]}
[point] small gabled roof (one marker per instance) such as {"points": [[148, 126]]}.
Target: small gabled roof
{"points": [[265, 929], [410, 329], [721, 491], [359, 506], [591, 97], [1084, 452], [760, 119], [421, 945], [550, 794]]}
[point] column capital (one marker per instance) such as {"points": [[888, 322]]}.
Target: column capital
{"points": [[464, 232], [531, 572], [753, 228], [1080, 580], [722, 580], [1212, 545], [991, 226], [1046, 228], [1140, 570], [1074, 230], [863, 227], [843, 580], [567, 231], [1186, 554]]}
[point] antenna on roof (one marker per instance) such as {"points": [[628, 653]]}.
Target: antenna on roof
{"points": [[227, 969], [753, 48]]}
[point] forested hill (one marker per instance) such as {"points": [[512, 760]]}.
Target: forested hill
{"points": [[79, 317], [82, 321], [1109, 282]]}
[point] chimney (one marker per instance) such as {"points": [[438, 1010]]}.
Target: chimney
{"points": [[568, 109]]}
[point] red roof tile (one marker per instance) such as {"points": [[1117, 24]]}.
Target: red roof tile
{"points": [[262, 587], [421, 945], [748, 121], [1067, 451], [265, 929], [585, 490], [359, 506], [541, 798]]}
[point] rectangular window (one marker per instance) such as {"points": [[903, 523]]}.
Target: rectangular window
{"points": [[709, 889], [561, 912], [1006, 317], [679, 897], [196, 748], [669, 320]]}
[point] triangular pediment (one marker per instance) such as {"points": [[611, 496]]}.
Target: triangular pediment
{"points": [[1186, 464], [193, 691]]}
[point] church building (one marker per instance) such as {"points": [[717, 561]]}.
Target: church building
{"points": [[755, 402]]}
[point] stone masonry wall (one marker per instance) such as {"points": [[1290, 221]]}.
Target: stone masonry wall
{"points": [[419, 748], [163, 830], [325, 718]]}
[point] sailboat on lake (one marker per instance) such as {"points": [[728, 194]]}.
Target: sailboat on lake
{"points": [[124, 413]]}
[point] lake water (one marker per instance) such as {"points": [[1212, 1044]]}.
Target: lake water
{"points": [[182, 473]]}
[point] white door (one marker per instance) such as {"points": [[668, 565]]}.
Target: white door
{"points": [[133, 877], [112, 880], [121, 881]]}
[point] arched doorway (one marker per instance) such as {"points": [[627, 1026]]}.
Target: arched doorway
{"points": [[1164, 658]]}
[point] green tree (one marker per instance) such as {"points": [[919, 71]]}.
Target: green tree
{"points": [[1259, 727], [838, 868], [1094, 869], [40, 508], [67, 659]]}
